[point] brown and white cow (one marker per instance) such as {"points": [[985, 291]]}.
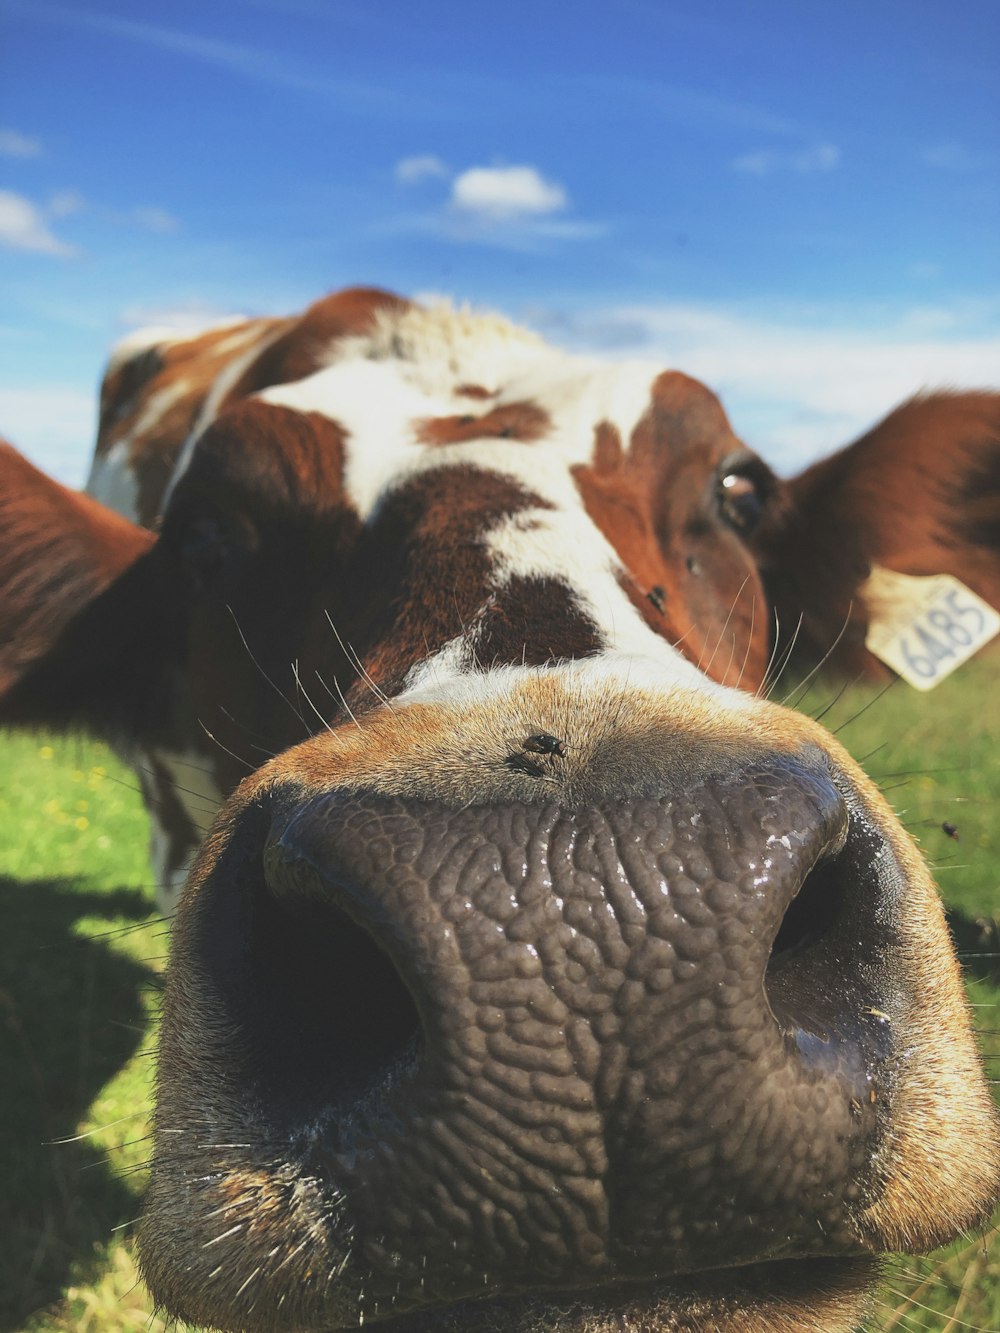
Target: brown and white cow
{"points": [[538, 974]]}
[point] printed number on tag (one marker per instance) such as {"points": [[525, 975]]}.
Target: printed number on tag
{"points": [[925, 627]]}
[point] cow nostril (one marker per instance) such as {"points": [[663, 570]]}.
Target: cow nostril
{"points": [[827, 959], [327, 1018], [811, 913]]}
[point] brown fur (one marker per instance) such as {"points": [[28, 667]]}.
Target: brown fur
{"points": [[655, 502], [918, 494], [60, 550], [184, 372]]}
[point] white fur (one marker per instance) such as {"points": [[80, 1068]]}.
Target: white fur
{"points": [[195, 789], [113, 482], [142, 340], [259, 337], [442, 680]]}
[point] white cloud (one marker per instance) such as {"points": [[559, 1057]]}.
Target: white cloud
{"points": [[793, 388], [506, 194], [14, 144], [421, 167], [512, 207], [816, 158], [24, 227], [54, 425]]}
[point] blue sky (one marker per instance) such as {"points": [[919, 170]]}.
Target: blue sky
{"points": [[797, 202]]}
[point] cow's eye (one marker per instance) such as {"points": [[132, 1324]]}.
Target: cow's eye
{"points": [[741, 501]]}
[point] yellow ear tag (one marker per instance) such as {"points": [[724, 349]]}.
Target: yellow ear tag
{"points": [[924, 627]]}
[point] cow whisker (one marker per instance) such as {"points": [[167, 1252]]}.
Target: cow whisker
{"points": [[803, 684], [768, 687], [298, 681], [351, 654], [278, 691], [718, 643], [215, 740], [746, 655], [865, 706]]}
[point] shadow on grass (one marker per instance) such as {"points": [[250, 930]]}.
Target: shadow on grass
{"points": [[71, 1015]]}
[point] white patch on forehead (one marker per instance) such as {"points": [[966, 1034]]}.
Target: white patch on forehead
{"points": [[579, 395], [439, 348], [377, 408], [113, 482], [380, 410], [563, 544]]}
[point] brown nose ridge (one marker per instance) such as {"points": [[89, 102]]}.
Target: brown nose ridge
{"points": [[548, 1044]]}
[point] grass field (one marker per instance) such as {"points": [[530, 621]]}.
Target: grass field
{"points": [[82, 955]]}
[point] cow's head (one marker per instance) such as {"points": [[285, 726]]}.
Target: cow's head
{"points": [[551, 982]]}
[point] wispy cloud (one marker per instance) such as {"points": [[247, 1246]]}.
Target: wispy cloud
{"points": [[156, 220], [66, 203], [949, 155], [264, 65], [15, 144], [818, 157], [424, 166], [186, 316], [23, 226], [799, 385], [692, 106]]}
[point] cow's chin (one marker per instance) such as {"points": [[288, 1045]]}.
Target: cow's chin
{"points": [[811, 1296]]}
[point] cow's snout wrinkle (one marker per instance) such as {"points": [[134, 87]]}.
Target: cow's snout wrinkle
{"points": [[552, 1044]]}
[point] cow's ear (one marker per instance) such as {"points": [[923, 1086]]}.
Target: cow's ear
{"points": [[918, 494], [60, 555]]}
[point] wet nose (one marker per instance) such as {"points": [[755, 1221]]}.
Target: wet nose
{"points": [[542, 1042]]}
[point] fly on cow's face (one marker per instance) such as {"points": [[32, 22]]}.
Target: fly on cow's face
{"points": [[543, 743]]}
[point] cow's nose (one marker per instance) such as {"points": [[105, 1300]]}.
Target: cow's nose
{"points": [[544, 1043]]}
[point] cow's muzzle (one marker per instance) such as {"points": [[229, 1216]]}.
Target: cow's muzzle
{"points": [[525, 1046]]}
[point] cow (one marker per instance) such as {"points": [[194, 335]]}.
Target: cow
{"points": [[534, 969]]}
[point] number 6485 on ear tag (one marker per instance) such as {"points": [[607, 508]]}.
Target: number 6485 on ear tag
{"points": [[924, 627]]}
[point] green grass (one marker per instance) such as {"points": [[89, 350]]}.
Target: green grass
{"points": [[82, 954]]}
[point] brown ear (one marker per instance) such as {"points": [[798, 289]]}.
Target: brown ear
{"points": [[59, 551], [919, 494]]}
